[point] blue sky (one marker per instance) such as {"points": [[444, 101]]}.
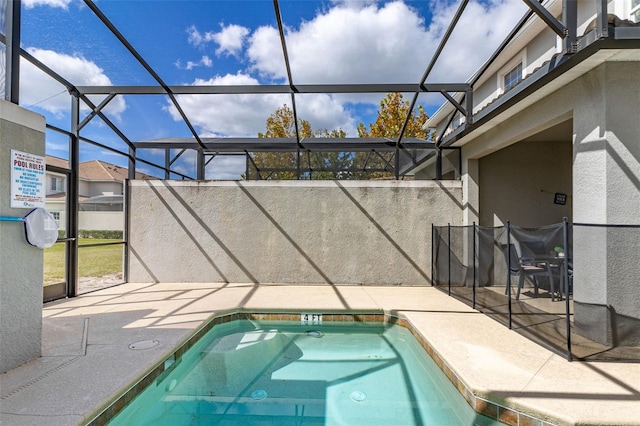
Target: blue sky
{"points": [[237, 42]]}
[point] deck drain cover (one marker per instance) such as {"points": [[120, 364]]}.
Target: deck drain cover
{"points": [[143, 344], [358, 396], [259, 394]]}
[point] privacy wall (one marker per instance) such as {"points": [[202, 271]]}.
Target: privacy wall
{"points": [[316, 232], [20, 263]]}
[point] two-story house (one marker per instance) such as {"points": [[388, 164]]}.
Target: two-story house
{"points": [[100, 198], [554, 132]]}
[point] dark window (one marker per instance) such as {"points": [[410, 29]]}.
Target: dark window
{"points": [[513, 77], [57, 184]]}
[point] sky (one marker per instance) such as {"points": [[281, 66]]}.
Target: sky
{"points": [[219, 42]]}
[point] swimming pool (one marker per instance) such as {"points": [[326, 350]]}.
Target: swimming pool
{"points": [[281, 373]]}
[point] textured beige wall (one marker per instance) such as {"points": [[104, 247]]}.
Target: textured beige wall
{"points": [[375, 232], [607, 190], [20, 263], [518, 184]]}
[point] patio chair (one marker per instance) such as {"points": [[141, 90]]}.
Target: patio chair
{"points": [[528, 266]]}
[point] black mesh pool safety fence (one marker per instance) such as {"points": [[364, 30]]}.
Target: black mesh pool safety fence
{"points": [[570, 287]]}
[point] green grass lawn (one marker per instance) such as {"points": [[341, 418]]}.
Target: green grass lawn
{"points": [[92, 261]]}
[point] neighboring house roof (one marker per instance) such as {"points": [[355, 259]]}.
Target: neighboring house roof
{"points": [[97, 170], [57, 162], [62, 196], [92, 171]]}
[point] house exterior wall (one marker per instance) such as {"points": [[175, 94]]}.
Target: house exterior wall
{"points": [[317, 232], [518, 184], [607, 190], [21, 265], [84, 188], [537, 44], [541, 49], [105, 188], [58, 207], [90, 221], [49, 179], [104, 221]]}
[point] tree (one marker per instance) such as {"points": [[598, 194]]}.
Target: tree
{"points": [[336, 165], [284, 165], [328, 165], [280, 124], [391, 117]]}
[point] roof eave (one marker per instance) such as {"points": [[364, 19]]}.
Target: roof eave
{"points": [[539, 83]]}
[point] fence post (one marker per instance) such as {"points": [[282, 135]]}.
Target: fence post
{"points": [[565, 237], [509, 269], [449, 260], [473, 260]]}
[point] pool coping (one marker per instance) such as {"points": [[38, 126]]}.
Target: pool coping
{"points": [[499, 410]]}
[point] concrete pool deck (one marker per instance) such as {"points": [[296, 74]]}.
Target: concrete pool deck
{"points": [[86, 361]]}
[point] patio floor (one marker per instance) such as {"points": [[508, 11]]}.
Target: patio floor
{"points": [[86, 361]]}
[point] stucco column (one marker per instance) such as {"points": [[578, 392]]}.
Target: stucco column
{"points": [[470, 190], [606, 190], [20, 263]]}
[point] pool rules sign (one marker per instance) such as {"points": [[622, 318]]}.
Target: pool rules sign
{"points": [[28, 180]]}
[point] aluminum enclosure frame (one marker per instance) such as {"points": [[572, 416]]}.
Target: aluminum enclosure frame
{"points": [[244, 145], [415, 151]]}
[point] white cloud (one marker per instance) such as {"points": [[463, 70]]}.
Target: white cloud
{"points": [[479, 32], [37, 88], [347, 45], [355, 4], [230, 39], [222, 167], [325, 112], [62, 147], [349, 42], [53, 3], [360, 42], [186, 163], [196, 38], [245, 115], [265, 53], [226, 167], [228, 115], [204, 61]]}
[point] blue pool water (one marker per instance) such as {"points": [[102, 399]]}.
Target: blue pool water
{"points": [[248, 373]]}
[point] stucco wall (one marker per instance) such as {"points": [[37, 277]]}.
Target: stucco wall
{"points": [[518, 184], [21, 266], [607, 190], [375, 232]]}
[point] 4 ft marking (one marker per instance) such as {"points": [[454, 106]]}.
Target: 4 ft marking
{"points": [[306, 319]]}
